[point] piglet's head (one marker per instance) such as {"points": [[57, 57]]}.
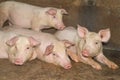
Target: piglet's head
{"points": [[56, 54], [90, 43], [21, 49], [55, 17]]}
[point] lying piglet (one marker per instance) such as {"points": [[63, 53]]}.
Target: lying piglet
{"points": [[29, 16], [87, 45], [51, 49], [21, 49], [18, 49]]}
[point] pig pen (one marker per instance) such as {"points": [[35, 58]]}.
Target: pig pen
{"points": [[93, 14]]}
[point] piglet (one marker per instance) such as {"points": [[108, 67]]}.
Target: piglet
{"points": [[28, 16], [88, 45], [21, 49], [51, 50], [17, 48]]}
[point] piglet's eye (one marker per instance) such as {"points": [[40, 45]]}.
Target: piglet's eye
{"points": [[15, 47], [53, 54], [96, 42], [28, 48], [54, 16]]}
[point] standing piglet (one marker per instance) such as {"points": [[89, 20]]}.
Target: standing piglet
{"points": [[29, 16], [18, 49], [87, 45], [51, 50]]}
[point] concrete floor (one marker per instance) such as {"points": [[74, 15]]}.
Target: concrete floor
{"points": [[94, 15], [38, 70]]}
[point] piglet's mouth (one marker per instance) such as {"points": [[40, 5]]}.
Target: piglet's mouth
{"points": [[19, 63]]}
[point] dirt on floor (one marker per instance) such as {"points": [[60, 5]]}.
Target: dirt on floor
{"points": [[38, 70], [93, 14]]}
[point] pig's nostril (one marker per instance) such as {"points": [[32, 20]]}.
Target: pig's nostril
{"points": [[61, 27], [68, 66], [18, 62], [85, 52]]}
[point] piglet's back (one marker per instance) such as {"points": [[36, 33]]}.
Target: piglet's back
{"points": [[41, 36]]}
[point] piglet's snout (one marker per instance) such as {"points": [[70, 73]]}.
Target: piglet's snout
{"points": [[67, 66], [85, 53], [60, 26], [18, 61]]}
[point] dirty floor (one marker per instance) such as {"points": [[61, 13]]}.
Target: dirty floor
{"points": [[38, 70]]}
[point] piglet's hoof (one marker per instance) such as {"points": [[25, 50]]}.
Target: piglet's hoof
{"points": [[112, 65], [97, 67]]}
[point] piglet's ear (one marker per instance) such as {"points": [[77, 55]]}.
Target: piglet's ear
{"points": [[105, 35], [63, 11], [51, 11], [49, 50], [82, 31], [33, 41], [12, 41], [68, 43]]}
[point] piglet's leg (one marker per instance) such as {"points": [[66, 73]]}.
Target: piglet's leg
{"points": [[88, 60], [73, 55], [91, 62], [101, 58]]}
